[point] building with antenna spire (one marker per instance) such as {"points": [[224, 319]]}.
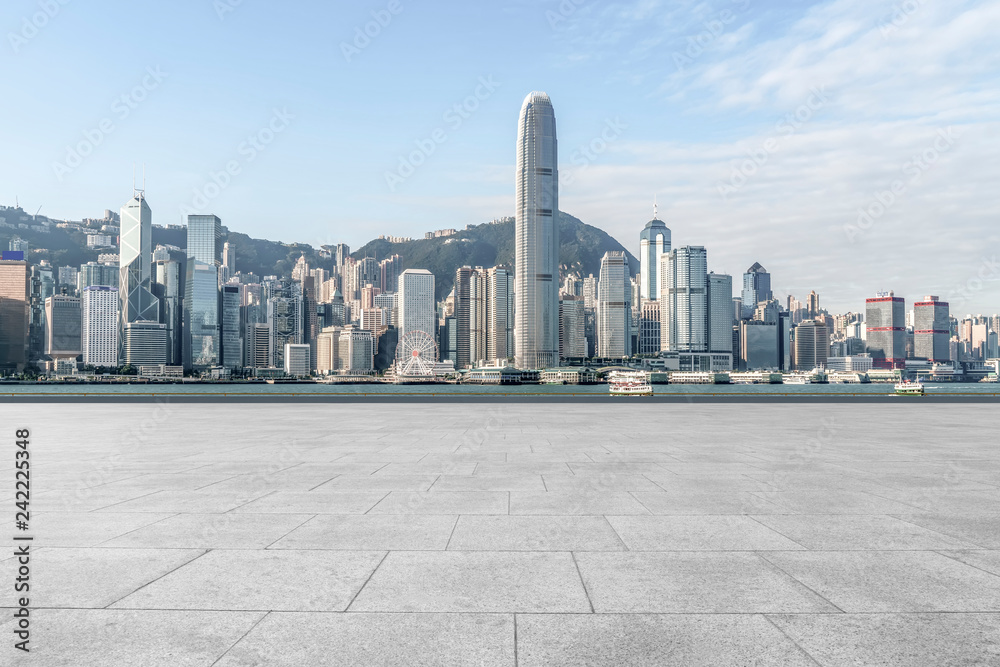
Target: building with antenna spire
{"points": [[654, 242]]}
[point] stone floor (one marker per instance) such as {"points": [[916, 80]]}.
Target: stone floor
{"points": [[510, 534]]}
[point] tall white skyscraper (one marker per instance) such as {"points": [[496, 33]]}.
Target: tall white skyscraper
{"points": [[720, 312], [99, 325], [536, 312], [138, 304], [654, 242], [684, 300], [614, 307], [416, 302]]}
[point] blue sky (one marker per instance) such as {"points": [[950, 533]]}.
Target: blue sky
{"points": [[849, 146]]}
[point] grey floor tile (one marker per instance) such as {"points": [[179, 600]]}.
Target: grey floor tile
{"points": [[691, 583], [896, 640], [87, 529], [853, 532], [365, 640], [379, 483], [489, 483], [260, 580], [94, 577], [122, 638], [983, 530], [984, 560], [892, 581], [584, 483], [534, 533], [692, 502], [444, 502], [698, 533], [589, 502], [371, 532], [211, 531], [832, 501], [314, 502], [648, 640], [468, 581]]}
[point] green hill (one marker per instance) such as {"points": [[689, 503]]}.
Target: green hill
{"points": [[581, 249]]}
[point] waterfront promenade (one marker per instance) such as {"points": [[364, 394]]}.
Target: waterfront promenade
{"points": [[513, 534]]}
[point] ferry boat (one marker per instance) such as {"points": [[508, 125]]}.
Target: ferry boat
{"points": [[629, 383], [907, 388]]}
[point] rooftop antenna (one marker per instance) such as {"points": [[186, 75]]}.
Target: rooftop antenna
{"points": [[656, 209]]}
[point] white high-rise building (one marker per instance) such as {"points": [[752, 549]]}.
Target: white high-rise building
{"points": [[536, 311], [720, 312], [614, 307], [684, 300], [416, 302], [654, 242], [138, 304], [99, 325]]}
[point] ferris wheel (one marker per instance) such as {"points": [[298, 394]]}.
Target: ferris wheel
{"points": [[416, 354]]}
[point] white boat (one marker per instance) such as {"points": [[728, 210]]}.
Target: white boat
{"points": [[797, 378], [629, 383], [907, 388]]}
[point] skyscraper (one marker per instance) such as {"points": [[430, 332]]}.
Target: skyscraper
{"points": [[232, 349], [536, 311], [931, 329], [99, 325], [62, 326], [885, 323], [572, 339], [684, 300], [614, 307], [203, 235], [201, 316], [756, 288], [416, 302], [138, 304], [812, 345], [720, 313], [654, 241], [228, 262], [14, 316]]}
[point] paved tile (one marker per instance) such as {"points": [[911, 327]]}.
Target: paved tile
{"points": [[698, 533], [892, 581], [591, 502], [261, 580], [984, 560], [365, 640], [314, 502], [896, 640], [444, 502], [534, 533], [489, 483], [92, 577], [831, 501], [830, 532], [468, 581], [691, 583], [599, 483], [379, 483], [371, 533], [689, 502], [647, 640], [983, 530], [212, 531], [123, 638], [87, 529]]}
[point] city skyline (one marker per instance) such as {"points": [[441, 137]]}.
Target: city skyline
{"points": [[798, 138]]}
